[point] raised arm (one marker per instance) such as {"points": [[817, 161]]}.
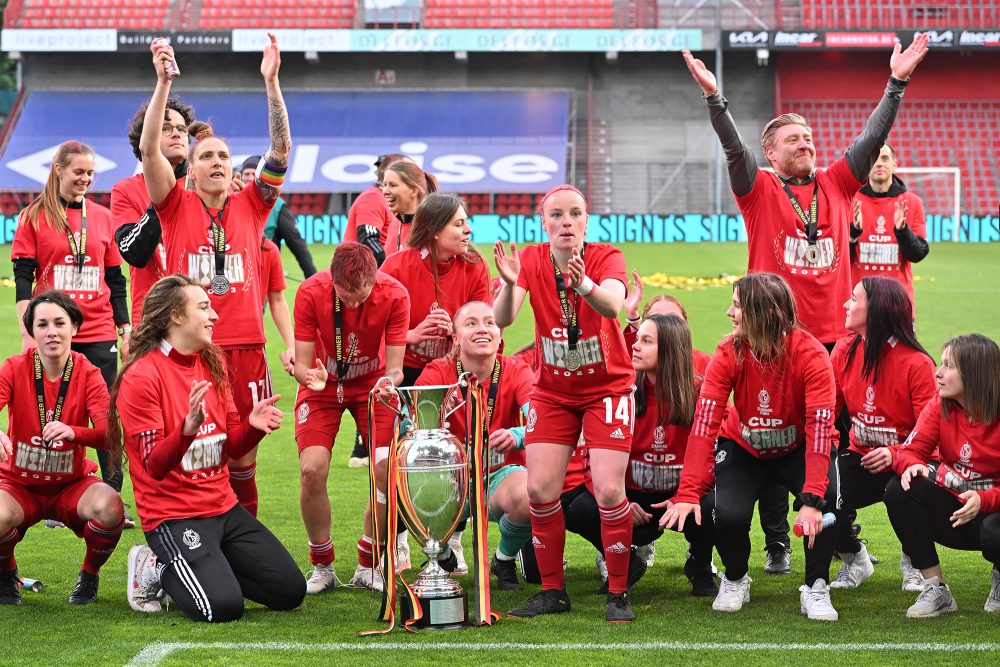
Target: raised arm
{"points": [[271, 173], [739, 156], [861, 154], [156, 169]]}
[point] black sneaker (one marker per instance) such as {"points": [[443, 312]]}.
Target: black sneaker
{"points": [[529, 566], [448, 561], [506, 574], [779, 559], [546, 602], [703, 582], [619, 609], [85, 591], [129, 522], [636, 569], [10, 590]]}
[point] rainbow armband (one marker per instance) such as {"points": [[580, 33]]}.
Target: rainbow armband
{"points": [[271, 174]]}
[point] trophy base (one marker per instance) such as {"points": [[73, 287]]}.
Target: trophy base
{"points": [[444, 613]]}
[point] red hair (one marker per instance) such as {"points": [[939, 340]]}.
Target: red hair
{"points": [[353, 266], [558, 188]]}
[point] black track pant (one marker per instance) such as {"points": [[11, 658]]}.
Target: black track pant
{"points": [[739, 478], [858, 488], [920, 518], [212, 564], [584, 519], [104, 355]]}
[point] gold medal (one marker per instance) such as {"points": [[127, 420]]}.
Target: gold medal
{"points": [[340, 392], [219, 285], [573, 360], [812, 254]]}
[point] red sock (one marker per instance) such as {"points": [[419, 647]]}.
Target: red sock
{"points": [[244, 483], [321, 554], [101, 541], [616, 535], [7, 544], [548, 535], [365, 552]]}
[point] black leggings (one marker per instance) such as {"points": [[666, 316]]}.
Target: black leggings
{"points": [[858, 488], [584, 519], [739, 478], [104, 355], [212, 564], [920, 518]]}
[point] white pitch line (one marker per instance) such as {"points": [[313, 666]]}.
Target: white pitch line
{"points": [[155, 653]]}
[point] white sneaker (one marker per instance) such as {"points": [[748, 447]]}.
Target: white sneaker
{"points": [[912, 579], [322, 578], [144, 590], [815, 602], [602, 567], [933, 601], [358, 462], [368, 577], [456, 548], [732, 594], [993, 601], [647, 552], [402, 554], [854, 570]]}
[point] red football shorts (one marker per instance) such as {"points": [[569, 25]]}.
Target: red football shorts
{"points": [[317, 418], [248, 376], [57, 502], [606, 423]]}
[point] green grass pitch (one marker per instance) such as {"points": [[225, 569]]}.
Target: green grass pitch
{"points": [[957, 292]]}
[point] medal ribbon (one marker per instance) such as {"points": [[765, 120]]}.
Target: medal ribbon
{"points": [[40, 395], [218, 238], [569, 308], [478, 439], [811, 222], [343, 363], [494, 388], [79, 252]]}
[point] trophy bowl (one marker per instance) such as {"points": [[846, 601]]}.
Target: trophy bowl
{"points": [[432, 486]]}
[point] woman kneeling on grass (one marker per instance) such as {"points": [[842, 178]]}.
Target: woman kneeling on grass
{"points": [[52, 396], [956, 502], [181, 428]]}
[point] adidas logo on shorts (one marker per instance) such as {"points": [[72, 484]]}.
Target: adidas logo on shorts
{"points": [[617, 434], [617, 548]]}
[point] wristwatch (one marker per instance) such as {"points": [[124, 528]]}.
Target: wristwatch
{"points": [[124, 329]]}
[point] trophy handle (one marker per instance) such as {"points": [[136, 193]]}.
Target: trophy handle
{"points": [[399, 413], [455, 399]]}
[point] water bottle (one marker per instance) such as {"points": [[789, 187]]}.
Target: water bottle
{"points": [[828, 520]]}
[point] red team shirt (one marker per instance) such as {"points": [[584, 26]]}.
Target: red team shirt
{"points": [[877, 252], [657, 454], [777, 243], [969, 453], [516, 384], [188, 239], [396, 234], [273, 274], [176, 476], [129, 201], [607, 365], [379, 321], [883, 413], [86, 403], [57, 270], [369, 209], [777, 409], [458, 283]]}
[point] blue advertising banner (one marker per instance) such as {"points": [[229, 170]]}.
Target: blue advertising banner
{"points": [[482, 141], [616, 228]]}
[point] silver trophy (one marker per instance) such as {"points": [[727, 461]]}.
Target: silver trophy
{"points": [[433, 486]]}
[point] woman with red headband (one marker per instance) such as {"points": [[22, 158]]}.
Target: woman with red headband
{"points": [[577, 291]]}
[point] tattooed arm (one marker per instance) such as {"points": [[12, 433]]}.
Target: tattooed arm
{"points": [[281, 138]]}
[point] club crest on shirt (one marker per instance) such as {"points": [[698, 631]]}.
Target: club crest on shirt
{"points": [[965, 453], [870, 399], [659, 435], [302, 414], [532, 420], [720, 456], [763, 402], [191, 539], [880, 225]]}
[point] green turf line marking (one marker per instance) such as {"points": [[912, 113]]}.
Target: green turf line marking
{"points": [[155, 653]]}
